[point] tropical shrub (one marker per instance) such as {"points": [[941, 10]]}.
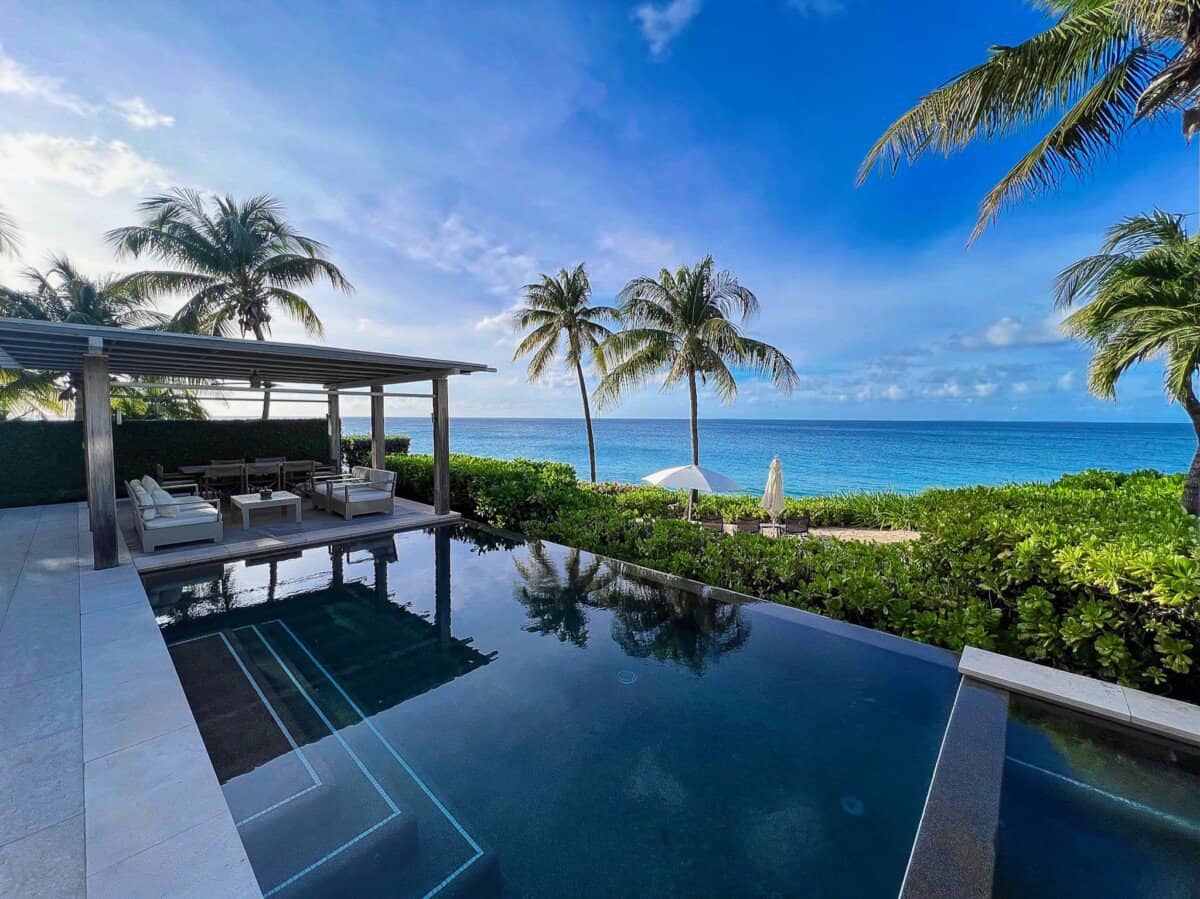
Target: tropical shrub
{"points": [[1097, 573], [356, 448]]}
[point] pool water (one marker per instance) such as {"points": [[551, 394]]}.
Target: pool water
{"points": [[1092, 810], [450, 713]]}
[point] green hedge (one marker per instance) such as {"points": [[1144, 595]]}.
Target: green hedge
{"points": [[356, 448], [49, 454], [1097, 573], [503, 493]]}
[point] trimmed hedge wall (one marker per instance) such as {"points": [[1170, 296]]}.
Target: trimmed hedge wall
{"points": [[356, 448], [43, 460]]}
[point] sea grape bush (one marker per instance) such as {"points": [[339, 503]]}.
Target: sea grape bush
{"points": [[1097, 572]]}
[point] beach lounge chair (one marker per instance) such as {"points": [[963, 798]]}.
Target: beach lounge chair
{"points": [[161, 519], [366, 491], [798, 526]]}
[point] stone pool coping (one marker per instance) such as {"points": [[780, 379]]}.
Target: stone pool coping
{"points": [[1143, 711]]}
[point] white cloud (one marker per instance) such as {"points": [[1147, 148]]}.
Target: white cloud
{"points": [[984, 389], [662, 23], [1013, 332], [17, 80], [96, 166], [1067, 381], [817, 7], [140, 114], [949, 388], [895, 392]]}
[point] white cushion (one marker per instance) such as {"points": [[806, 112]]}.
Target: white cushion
{"points": [[367, 494], [145, 503], [164, 502], [149, 483], [189, 515]]}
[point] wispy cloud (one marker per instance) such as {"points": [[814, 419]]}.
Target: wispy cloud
{"points": [[661, 23], [17, 80], [140, 114]]}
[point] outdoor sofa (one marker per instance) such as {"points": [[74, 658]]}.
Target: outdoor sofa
{"points": [[365, 491], [162, 519]]}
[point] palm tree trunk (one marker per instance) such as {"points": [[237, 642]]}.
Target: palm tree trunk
{"points": [[1191, 487], [75, 380], [587, 419], [695, 409], [266, 407]]}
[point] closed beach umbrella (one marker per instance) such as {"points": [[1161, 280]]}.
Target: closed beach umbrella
{"points": [[772, 501], [692, 477]]}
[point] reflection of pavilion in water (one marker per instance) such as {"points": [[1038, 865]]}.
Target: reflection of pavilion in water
{"points": [[285, 666], [355, 628]]}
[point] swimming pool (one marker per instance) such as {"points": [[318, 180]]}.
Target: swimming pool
{"points": [[452, 713], [1091, 809]]}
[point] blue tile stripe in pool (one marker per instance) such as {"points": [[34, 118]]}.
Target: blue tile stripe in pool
{"points": [[316, 780], [1187, 826], [395, 810], [287, 734], [478, 851]]}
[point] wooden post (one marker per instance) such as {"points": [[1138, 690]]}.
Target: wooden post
{"points": [[441, 447], [101, 474], [334, 421], [378, 431]]}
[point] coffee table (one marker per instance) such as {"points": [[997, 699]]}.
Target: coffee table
{"points": [[280, 499]]}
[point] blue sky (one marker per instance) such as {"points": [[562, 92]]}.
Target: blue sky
{"points": [[448, 152]]}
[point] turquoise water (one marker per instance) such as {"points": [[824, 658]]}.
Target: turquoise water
{"points": [[823, 456]]}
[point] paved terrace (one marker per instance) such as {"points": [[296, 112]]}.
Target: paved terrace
{"points": [[106, 788]]}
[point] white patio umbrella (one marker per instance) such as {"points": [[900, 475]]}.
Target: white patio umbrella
{"points": [[772, 501], [692, 477]]}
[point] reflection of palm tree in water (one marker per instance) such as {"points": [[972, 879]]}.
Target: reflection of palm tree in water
{"points": [[649, 620], [557, 602], [673, 625]]}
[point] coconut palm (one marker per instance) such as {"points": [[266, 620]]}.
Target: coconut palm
{"points": [[235, 262], [64, 294], [29, 393], [1101, 68], [1142, 301], [682, 326], [8, 234], [559, 313]]}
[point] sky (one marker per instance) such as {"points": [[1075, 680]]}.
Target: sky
{"points": [[449, 152]]}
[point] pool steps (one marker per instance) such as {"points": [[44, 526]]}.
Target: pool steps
{"points": [[475, 872]]}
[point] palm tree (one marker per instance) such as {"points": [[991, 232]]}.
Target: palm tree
{"points": [[64, 294], [558, 307], [1142, 295], [683, 324], [236, 261], [1101, 68], [26, 393], [8, 234]]}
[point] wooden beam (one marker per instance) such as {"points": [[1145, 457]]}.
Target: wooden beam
{"points": [[378, 430], [334, 423], [441, 447], [101, 473]]}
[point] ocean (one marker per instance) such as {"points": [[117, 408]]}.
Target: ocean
{"points": [[821, 457]]}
